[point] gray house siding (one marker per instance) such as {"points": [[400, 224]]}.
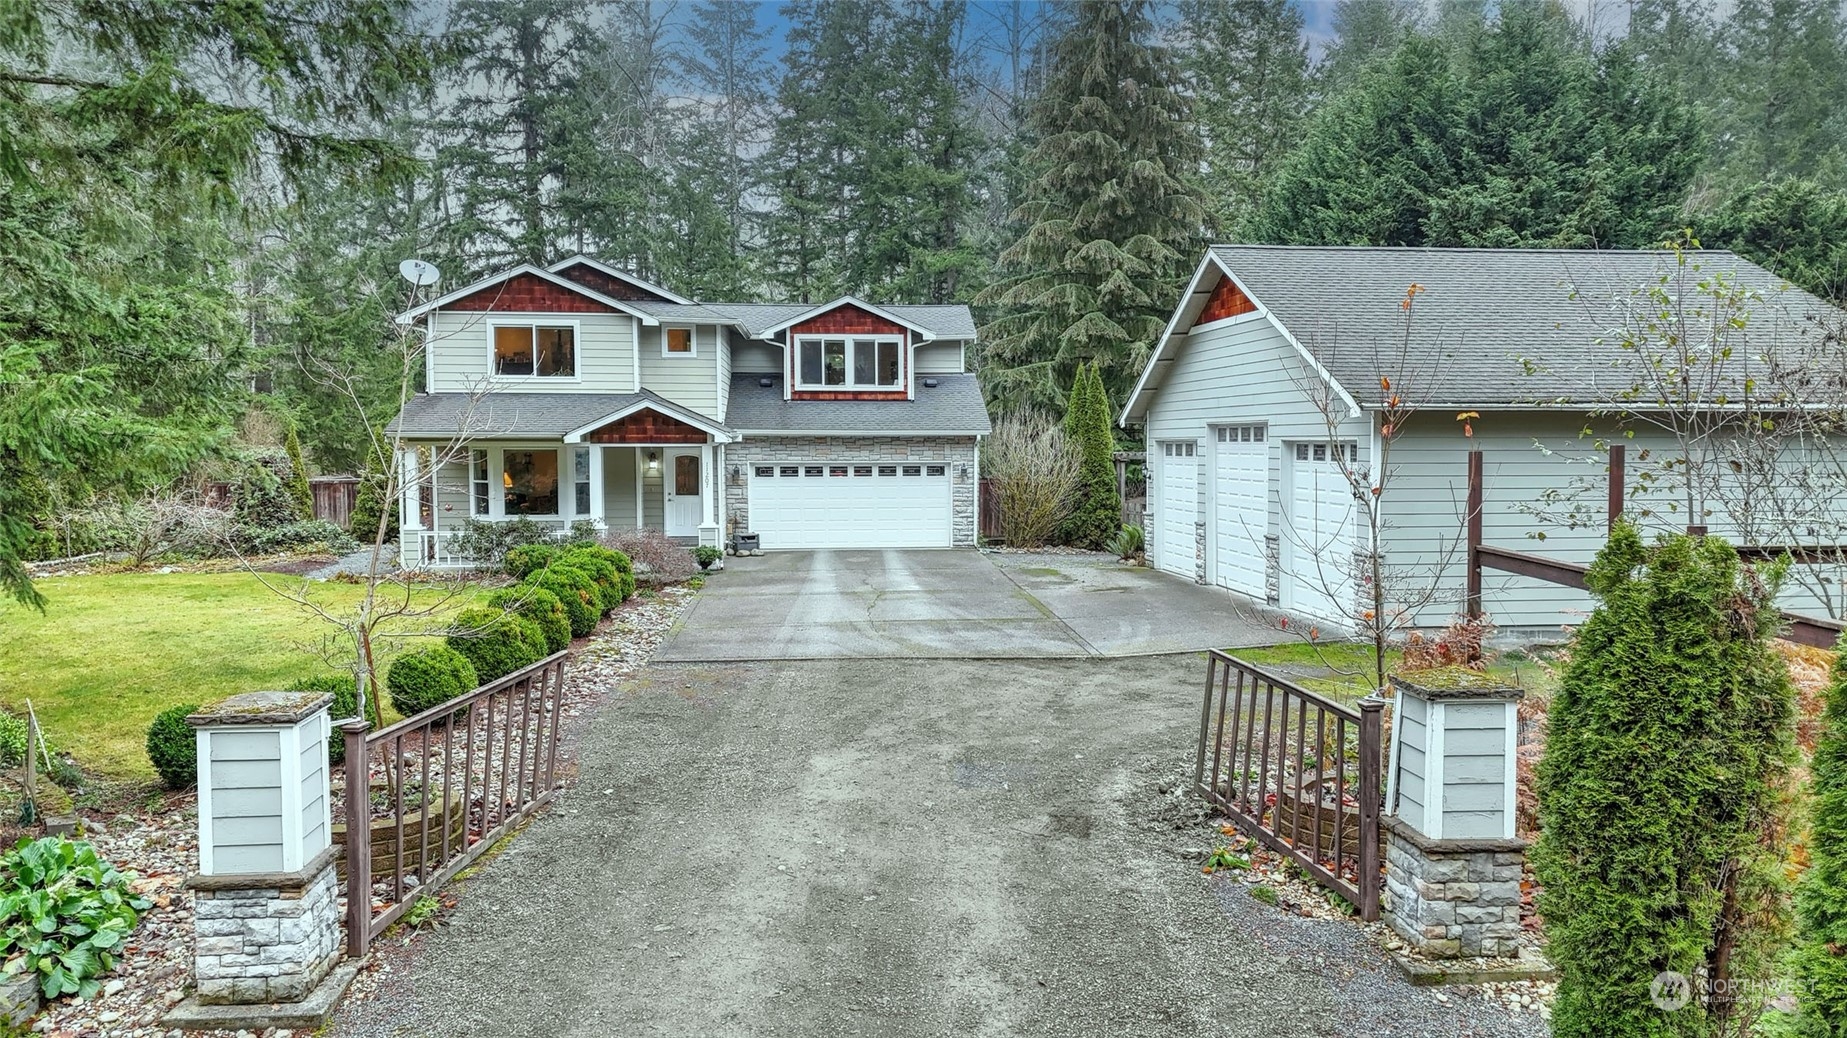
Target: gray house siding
{"points": [[690, 381], [939, 358], [461, 352], [246, 796], [1241, 371]]}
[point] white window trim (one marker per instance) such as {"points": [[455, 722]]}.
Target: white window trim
{"points": [[496, 479], [538, 321], [691, 329], [902, 385]]}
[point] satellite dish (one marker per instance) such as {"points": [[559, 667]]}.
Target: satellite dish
{"points": [[419, 272]]}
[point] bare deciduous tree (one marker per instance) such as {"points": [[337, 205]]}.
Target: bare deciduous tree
{"points": [[1035, 473]]}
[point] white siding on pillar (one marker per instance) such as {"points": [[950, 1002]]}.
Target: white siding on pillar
{"points": [[410, 516], [596, 487], [640, 491], [708, 501]]}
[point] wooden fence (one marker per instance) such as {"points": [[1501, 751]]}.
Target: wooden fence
{"points": [[334, 497]]}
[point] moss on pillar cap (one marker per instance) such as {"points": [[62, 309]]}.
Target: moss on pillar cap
{"points": [[260, 708], [1437, 683]]}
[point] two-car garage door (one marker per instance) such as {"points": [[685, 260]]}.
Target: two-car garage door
{"points": [[846, 505]]}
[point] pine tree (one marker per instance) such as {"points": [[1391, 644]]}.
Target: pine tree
{"points": [[1097, 515], [1820, 959], [1667, 746], [1247, 64], [1113, 220]]}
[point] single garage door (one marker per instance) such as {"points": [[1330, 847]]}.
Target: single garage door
{"points": [[1240, 510], [1323, 521], [836, 505], [1179, 503]]}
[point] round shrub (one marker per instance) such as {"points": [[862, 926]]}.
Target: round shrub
{"points": [[529, 558], [496, 643], [577, 591], [542, 608], [345, 705], [608, 582], [591, 558], [173, 749], [428, 678]]}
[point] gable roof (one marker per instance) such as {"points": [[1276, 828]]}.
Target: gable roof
{"points": [[624, 306], [605, 269], [1490, 327], [853, 301], [760, 320]]}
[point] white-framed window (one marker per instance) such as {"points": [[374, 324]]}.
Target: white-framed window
{"points": [[1319, 452], [477, 483], [1180, 450], [529, 482], [1241, 434], [580, 480], [533, 349], [848, 361], [679, 341]]}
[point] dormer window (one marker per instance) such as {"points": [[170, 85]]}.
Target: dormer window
{"points": [[535, 350], [847, 363]]}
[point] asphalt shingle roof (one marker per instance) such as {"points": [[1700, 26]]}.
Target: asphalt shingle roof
{"points": [[1494, 326], [943, 321], [511, 415], [954, 406]]}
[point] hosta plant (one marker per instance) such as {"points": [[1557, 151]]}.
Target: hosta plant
{"points": [[65, 912]]}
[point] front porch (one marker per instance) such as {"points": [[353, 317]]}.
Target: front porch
{"points": [[645, 470]]}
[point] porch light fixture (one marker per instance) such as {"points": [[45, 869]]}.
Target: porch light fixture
{"points": [[654, 462]]}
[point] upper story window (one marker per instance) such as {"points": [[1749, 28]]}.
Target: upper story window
{"points": [[848, 362], [535, 350], [678, 342]]}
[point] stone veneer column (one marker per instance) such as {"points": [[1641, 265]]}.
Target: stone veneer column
{"points": [[265, 938], [1453, 898]]}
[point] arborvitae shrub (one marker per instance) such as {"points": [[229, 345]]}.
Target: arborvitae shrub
{"points": [[1667, 746], [428, 677], [297, 482], [1820, 959], [173, 749], [542, 608], [1096, 517]]}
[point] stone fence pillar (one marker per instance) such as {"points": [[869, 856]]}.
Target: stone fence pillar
{"points": [[266, 917], [1452, 863]]}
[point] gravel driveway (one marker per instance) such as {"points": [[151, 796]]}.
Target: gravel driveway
{"points": [[889, 848]]}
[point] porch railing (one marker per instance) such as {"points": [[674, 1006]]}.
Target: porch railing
{"points": [[1296, 770], [431, 793]]}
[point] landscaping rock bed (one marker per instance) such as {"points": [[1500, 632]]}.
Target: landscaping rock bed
{"points": [[161, 847]]}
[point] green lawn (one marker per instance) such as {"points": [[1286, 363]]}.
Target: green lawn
{"points": [[110, 652], [1340, 670]]}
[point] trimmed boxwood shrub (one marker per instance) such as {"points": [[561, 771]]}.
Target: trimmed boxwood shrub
{"points": [[496, 643], [427, 678], [624, 569], [608, 582], [578, 592], [526, 559], [542, 608], [345, 706], [173, 749]]}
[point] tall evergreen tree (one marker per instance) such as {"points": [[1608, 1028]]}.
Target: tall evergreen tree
{"points": [[1097, 514], [1113, 219], [518, 140], [1247, 64], [1783, 106], [1796, 228], [1365, 33], [1820, 958], [1513, 136]]}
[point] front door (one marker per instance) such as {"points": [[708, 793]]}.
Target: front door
{"points": [[681, 486]]}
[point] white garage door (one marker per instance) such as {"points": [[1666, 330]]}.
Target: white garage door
{"points": [[845, 505], [1240, 509], [1324, 520], [1179, 502]]}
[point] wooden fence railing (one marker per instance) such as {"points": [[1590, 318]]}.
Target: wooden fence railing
{"points": [[1298, 771], [1820, 632], [429, 794]]}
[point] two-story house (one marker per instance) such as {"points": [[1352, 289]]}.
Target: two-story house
{"points": [[580, 392]]}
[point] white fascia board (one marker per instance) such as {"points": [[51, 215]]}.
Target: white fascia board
{"points": [[525, 268], [809, 315], [718, 433]]}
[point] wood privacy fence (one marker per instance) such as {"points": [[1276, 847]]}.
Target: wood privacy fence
{"points": [[431, 793], [1806, 630], [1300, 772], [989, 507], [334, 497]]}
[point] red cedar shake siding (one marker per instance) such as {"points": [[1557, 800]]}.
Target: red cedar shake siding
{"points": [[613, 287], [847, 319], [526, 293], [647, 427], [1226, 301]]}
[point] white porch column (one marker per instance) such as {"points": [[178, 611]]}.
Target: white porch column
{"points": [[640, 489], [708, 507], [596, 487], [410, 516]]}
